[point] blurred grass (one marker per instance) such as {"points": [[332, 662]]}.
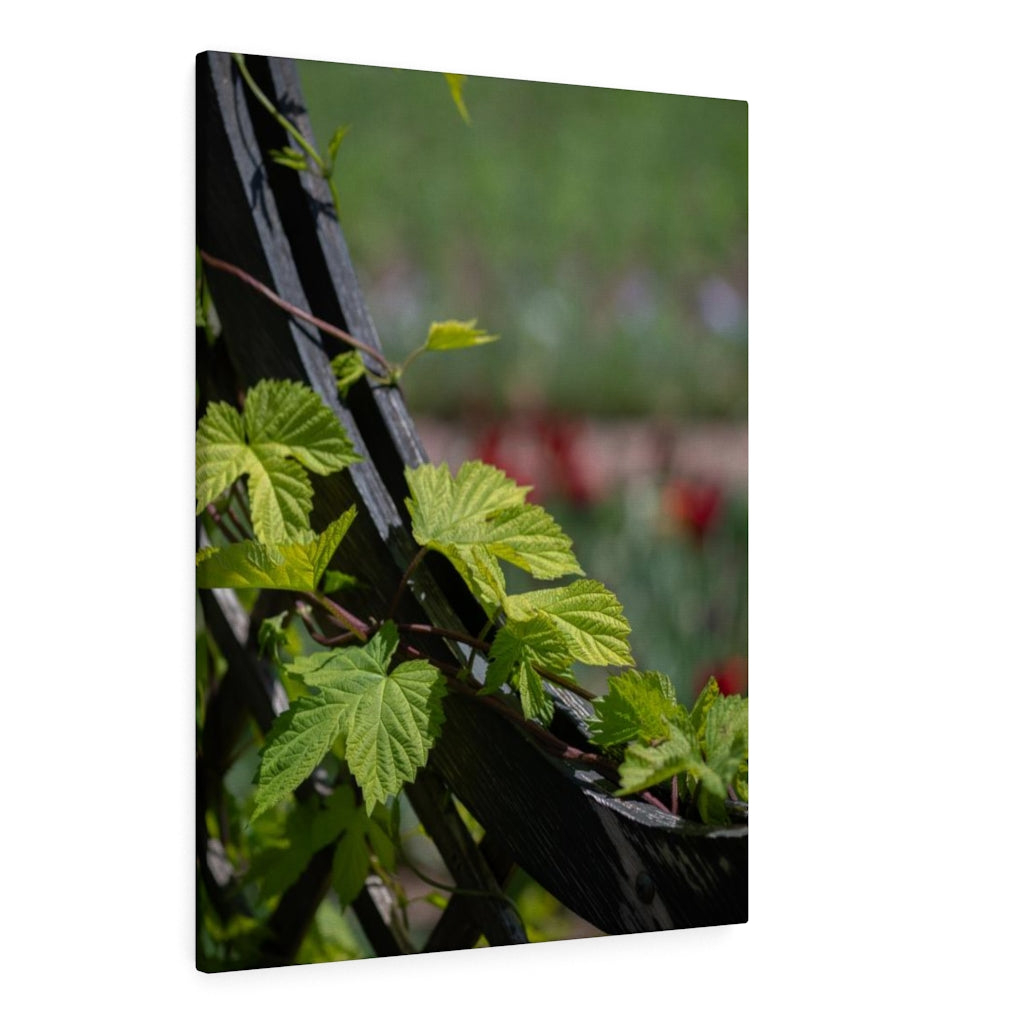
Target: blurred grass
{"points": [[602, 233]]}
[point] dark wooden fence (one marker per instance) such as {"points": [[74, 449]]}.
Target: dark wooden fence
{"points": [[623, 865]]}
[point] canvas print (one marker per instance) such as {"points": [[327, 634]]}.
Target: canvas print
{"points": [[471, 512]]}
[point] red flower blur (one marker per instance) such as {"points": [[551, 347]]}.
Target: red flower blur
{"points": [[730, 674], [691, 506], [542, 450]]}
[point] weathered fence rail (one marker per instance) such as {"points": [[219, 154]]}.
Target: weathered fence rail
{"points": [[622, 865]]}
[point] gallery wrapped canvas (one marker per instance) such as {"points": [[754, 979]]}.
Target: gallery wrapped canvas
{"points": [[471, 590]]}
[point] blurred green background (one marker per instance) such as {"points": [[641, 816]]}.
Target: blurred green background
{"points": [[603, 235]]}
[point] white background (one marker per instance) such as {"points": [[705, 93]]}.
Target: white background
{"points": [[885, 280]]}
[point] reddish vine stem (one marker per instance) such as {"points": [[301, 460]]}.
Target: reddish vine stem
{"points": [[211, 510], [547, 740], [314, 630], [450, 634], [482, 645], [341, 615], [652, 799], [243, 506], [301, 314], [240, 526], [675, 795]]}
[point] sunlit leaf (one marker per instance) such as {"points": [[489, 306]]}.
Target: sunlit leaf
{"points": [[587, 613], [455, 83], [520, 650], [284, 431], [452, 334], [638, 706], [296, 567], [645, 766], [391, 718], [480, 516]]}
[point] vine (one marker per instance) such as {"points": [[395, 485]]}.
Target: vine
{"points": [[371, 691]]}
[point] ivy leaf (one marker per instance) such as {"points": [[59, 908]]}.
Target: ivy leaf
{"points": [[455, 83], [639, 706], [518, 649], [480, 516], [272, 566], [391, 719], [452, 334], [587, 613], [283, 431]]}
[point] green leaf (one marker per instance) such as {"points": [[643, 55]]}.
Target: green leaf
{"points": [[740, 783], [334, 580], [283, 417], [298, 741], [272, 566], [645, 766], [278, 862], [639, 706], [381, 831], [705, 699], [480, 516], [519, 649], [221, 453], [351, 861], [452, 334], [272, 636], [587, 613], [392, 718], [529, 538], [455, 83], [725, 739], [347, 368], [332, 147], [283, 431], [289, 157]]}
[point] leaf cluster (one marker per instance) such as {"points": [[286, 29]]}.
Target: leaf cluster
{"points": [[705, 747], [480, 518], [368, 703]]}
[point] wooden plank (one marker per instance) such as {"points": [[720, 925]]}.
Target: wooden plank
{"points": [[490, 910], [458, 926]]}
